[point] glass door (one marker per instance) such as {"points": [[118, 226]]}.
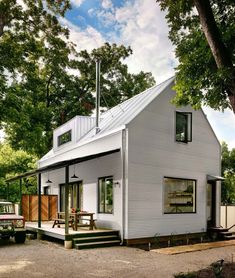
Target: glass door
{"points": [[211, 204], [75, 196]]}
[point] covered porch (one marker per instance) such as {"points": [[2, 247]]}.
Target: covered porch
{"points": [[45, 228]]}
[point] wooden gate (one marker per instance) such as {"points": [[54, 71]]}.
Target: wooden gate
{"points": [[48, 207]]}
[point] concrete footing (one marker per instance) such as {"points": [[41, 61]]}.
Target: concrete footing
{"points": [[68, 244], [39, 236]]}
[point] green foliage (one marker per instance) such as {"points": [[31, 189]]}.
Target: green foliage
{"points": [[228, 170], [13, 163], [45, 82], [198, 80]]}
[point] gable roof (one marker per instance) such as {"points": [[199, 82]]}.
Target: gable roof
{"points": [[125, 112], [117, 117]]}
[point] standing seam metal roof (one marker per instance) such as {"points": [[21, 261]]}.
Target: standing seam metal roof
{"points": [[125, 112]]}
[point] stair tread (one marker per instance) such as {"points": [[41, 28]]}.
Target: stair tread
{"points": [[229, 236], [97, 243], [218, 229], [226, 233], [95, 237]]}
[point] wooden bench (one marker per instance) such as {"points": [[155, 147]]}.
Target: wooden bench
{"points": [[91, 223], [61, 220]]}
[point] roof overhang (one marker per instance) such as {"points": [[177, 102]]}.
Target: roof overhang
{"points": [[62, 164], [214, 178]]}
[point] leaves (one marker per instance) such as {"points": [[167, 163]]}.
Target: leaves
{"points": [[198, 79], [45, 82], [228, 170]]}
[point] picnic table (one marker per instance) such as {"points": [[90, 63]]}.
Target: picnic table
{"points": [[76, 219]]}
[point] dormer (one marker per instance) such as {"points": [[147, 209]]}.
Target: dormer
{"points": [[72, 131]]}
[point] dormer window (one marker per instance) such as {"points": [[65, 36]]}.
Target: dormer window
{"points": [[183, 127], [65, 138]]}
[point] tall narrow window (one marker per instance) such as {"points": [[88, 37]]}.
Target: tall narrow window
{"points": [[183, 127], [180, 195], [105, 191], [65, 138]]}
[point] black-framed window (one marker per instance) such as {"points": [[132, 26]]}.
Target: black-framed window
{"points": [[179, 195], [46, 190], [105, 195], [65, 137], [183, 125]]}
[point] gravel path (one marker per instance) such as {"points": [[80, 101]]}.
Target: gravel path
{"points": [[47, 259]]}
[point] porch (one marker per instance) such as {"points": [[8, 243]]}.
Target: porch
{"points": [[80, 239]]}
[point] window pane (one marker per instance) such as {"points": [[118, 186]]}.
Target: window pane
{"points": [[181, 127], [64, 138], [106, 195], [179, 195]]}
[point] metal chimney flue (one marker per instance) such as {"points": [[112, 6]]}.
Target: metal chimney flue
{"points": [[97, 107]]}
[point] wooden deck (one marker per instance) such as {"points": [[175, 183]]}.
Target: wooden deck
{"points": [[59, 233]]}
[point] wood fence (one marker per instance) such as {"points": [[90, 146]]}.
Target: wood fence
{"points": [[48, 207], [227, 216]]}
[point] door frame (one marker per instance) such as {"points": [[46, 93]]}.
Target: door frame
{"points": [[212, 222]]}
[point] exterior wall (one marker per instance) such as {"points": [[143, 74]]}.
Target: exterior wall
{"points": [[79, 126], [153, 154], [88, 173]]}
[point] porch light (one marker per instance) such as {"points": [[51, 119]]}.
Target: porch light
{"points": [[74, 176], [48, 180]]}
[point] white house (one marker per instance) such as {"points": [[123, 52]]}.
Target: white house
{"points": [[152, 168]]}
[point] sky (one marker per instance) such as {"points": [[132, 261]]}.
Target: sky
{"points": [[142, 25]]}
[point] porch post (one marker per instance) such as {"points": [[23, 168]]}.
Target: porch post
{"points": [[20, 196], [39, 200], [66, 200], [68, 242]]}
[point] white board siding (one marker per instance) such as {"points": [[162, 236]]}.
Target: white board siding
{"points": [[153, 154], [88, 173], [107, 143]]}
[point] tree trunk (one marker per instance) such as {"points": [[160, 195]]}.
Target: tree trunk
{"points": [[218, 49]]}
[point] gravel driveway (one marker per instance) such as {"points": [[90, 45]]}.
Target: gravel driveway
{"points": [[47, 259]]}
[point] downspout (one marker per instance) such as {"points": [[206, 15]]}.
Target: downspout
{"points": [[124, 176]]}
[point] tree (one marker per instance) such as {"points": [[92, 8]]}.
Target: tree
{"points": [[38, 91], [228, 170], [203, 33], [32, 114], [13, 163], [34, 54]]}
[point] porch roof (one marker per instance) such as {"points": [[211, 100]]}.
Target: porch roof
{"points": [[62, 164], [214, 178]]}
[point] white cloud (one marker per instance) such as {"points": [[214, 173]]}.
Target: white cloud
{"points": [[142, 26], [107, 4], [88, 39], [77, 3]]}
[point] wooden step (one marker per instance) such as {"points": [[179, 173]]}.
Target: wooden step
{"points": [[96, 233], [95, 239], [226, 233], [229, 237], [97, 244], [217, 229]]}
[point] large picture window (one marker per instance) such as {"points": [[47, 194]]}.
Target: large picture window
{"points": [[183, 127], [179, 195], [105, 191]]}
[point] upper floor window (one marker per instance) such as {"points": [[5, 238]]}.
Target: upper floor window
{"points": [[65, 137], [105, 193], [183, 127]]}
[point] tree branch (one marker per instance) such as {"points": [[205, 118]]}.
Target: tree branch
{"points": [[218, 48]]}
